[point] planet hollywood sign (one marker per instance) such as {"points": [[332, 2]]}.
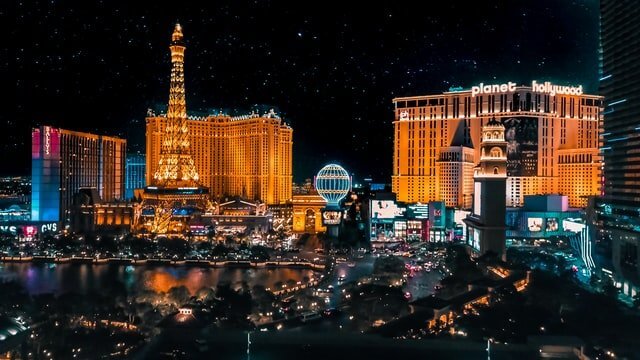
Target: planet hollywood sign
{"points": [[544, 88]]}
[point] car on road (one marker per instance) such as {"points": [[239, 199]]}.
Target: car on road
{"points": [[342, 277]]}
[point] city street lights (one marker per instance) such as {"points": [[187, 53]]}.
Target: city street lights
{"points": [[489, 341]]}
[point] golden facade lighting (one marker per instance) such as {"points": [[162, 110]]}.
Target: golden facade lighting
{"points": [[552, 135]]}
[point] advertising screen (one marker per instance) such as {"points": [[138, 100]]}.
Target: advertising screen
{"points": [[331, 217], [521, 134], [419, 211], [437, 214], [534, 224], [385, 209], [552, 224]]}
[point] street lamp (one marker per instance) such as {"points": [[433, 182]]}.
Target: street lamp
{"points": [[248, 345], [489, 341]]}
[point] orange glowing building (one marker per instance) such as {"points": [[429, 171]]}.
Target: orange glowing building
{"points": [[551, 131], [248, 156]]}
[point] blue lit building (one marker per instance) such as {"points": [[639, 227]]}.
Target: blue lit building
{"points": [[45, 174], [134, 174], [63, 161]]}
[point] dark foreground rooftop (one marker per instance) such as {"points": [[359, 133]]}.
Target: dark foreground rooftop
{"points": [[224, 345]]}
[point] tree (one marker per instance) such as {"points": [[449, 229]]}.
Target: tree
{"points": [[178, 295], [263, 300], [220, 250], [609, 289], [205, 294], [235, 305], [203, 246], [260, 252]]}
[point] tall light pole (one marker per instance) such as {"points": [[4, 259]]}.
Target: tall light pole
{"points": [[248, 345], [489, 340]]}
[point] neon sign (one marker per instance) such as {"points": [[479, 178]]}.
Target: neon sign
{"points": [[544, 88], [29, 230], [492, 89], [47, 140]]}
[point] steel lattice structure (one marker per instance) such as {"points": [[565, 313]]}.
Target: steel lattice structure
{"points": [[176, 166], [333, 183], [175, 183]]}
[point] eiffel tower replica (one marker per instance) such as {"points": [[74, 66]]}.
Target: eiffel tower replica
{"points": [[175, 194]]}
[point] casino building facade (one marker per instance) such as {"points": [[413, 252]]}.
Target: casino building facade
{"points": [[551, 133], [248, 156]]}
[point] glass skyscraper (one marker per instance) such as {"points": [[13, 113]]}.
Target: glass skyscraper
{"points": [[619, 206], [135, 176]]}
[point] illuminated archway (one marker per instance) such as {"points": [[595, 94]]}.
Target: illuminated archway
{"points": [[310, 221]]}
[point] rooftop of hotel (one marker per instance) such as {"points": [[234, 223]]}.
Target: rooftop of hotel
{"points": [[465, 91], [271, 114]]}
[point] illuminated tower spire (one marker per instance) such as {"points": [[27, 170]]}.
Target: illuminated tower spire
{"points": [[176, 167]]}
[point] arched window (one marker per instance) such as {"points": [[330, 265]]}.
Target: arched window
{"points": [[495, 170], [496, 152], [487, 135], [496, 135]]}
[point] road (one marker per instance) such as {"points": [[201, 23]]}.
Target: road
{"points": [[420, 285]]}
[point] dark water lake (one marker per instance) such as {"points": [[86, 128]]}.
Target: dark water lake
{"points": [[84, 278]]}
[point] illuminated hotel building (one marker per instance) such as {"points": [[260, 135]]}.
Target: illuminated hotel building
{"points": [[248, 156], [64, 161], [619, 207], [455, 173], [551, 131]]}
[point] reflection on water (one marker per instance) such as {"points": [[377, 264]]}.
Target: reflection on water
{"points": [[82, 278]]}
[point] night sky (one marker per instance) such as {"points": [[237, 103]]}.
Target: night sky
{"points": [[330, 68]]}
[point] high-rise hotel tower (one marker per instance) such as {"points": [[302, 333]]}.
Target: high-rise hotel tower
{"points": [[248, 156], [619, 208], [551, 133], [63, 161]]}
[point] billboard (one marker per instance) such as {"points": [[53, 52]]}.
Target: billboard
{"points": [[418, 211], [534, 224], [552, 224], [521, 134], [331, 217], [437, 214], [28, 228], [385, 209]]}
